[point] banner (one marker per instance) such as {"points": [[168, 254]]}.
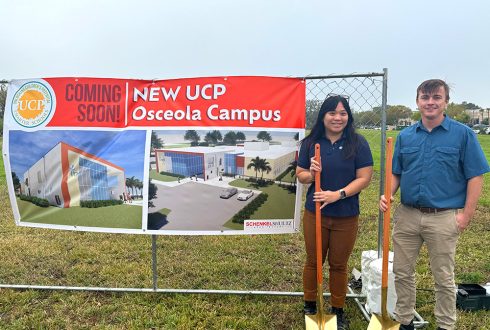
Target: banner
{"points": [[197, 156]]}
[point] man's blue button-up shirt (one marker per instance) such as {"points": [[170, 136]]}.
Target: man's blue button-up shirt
{"points": [[434, 167]]}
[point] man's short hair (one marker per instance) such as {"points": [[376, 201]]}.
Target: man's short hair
{"points": [[431, 86]]}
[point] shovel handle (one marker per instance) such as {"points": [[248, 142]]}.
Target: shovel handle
{"points": [[386, 227], [318, 222]]}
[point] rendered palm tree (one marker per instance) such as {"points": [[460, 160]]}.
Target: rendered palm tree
{"points": [[292, 169], [131, 183], [265, 167], [138, 186], [255, 164]]}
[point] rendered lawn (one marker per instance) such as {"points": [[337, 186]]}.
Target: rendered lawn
{"points": [[279, 204], [260, 262], [161, 177], [116, 216]]}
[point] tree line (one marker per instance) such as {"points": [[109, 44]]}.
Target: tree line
{"points": [[395, 113]]}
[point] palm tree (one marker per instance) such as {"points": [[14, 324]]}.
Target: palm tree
{"points": [[292, 170], [131, 183], [255, 164], [265, 167], [138, 185], [156, 141]]}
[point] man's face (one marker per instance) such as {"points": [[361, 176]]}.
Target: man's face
{"points": [[432, 106]]}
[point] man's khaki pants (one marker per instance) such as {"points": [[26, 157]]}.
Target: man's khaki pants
{"points": [[440, 233]]}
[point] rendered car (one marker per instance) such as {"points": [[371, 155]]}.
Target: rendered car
{"points": [[228, 192], [245, 194]]}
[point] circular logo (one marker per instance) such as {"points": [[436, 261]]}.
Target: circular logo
{"points": [[32, 104]]}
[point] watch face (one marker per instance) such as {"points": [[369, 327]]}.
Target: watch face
{"points": [[342, 194]]}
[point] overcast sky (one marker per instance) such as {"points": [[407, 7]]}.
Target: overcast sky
{"points": [[415, 40]]}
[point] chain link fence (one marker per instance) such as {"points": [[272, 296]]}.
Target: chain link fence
{"points": [[365, 93], [367, 98]]}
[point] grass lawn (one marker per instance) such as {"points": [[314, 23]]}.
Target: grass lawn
{"points": [[251, 262], [116, 216], [279, 204], [288, 178], [162, 177]]}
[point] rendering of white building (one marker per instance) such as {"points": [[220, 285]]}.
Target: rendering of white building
{"points": [[210, 162], [66, 175]]}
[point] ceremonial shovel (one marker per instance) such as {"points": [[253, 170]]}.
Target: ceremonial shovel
{"points": [[320, 320], [383, 321]]}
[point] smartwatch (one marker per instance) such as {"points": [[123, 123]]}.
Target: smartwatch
{"points": [[343, 195]]}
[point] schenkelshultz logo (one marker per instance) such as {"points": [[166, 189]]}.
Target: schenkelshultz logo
{"points": [[252, 225], [33, 104]]}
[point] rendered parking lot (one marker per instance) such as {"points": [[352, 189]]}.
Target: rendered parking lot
{"points": [[196, 206]]}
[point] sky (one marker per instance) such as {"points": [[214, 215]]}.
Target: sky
{"points": [[125, 149], [415, 40]]}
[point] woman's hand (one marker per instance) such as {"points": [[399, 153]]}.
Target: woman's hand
{"points": [[315, 167], [326, 197]]}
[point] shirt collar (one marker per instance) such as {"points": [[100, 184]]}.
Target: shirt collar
{"points": [[342, 138], [444, 124]]}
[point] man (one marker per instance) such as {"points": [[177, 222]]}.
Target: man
{"points": [[438, 165]]}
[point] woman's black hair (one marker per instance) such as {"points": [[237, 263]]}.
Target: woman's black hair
{"points": [[318, 131]]}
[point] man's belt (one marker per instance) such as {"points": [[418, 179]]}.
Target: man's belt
{"points": [[431, 209]]}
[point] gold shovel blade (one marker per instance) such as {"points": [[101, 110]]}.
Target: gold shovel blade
{"points": [[328, 322], [379, 323]]}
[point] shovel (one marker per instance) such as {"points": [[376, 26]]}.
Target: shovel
{"points": [[320, 320], [383, 321]]}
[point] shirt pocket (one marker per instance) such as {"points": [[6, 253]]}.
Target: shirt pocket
{"points": [[446, 158], [409, 157]]}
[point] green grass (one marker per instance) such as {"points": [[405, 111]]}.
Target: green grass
{"points": [[279, 204], [258, 262], [233, 225], [117, 216], [161, 177]]}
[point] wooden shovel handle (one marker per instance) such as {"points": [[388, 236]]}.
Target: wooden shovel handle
{"points": [[386, 214], [318, 223]]}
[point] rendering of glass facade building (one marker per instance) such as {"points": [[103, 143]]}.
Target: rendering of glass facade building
{"points": [[186, 164], [231, 166], [92, 180]]}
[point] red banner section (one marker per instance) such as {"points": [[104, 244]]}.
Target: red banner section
{"points": [[215, 101]]}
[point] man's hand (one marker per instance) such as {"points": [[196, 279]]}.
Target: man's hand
{"points": [[462, 221], [383, 203]]}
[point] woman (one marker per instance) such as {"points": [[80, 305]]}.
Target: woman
{"points": [[346, 167]]}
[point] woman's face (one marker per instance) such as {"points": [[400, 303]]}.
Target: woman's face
{"points": [[336, 120]]}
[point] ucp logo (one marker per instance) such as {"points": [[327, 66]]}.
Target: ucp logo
{"points": [[32, 104]]}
